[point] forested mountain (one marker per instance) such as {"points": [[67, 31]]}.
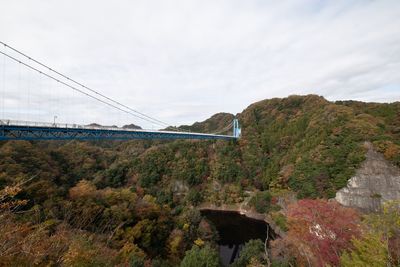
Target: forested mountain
{"points": [[131, 203], [217, 123]]}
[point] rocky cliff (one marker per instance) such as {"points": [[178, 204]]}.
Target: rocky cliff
{"points": [[375, 182]]}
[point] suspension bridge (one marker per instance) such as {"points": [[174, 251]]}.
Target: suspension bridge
{"points": [[21, 99]]}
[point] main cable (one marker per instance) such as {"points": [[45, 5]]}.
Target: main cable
{"points": [[226, 128], [76, 89], [84, 86]]}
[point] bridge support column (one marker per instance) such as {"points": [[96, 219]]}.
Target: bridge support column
{"points": [[236, 128]]}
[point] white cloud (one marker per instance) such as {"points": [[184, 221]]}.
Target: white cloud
{"points": [[182, 61]]}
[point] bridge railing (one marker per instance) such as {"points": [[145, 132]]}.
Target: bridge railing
{"points": [[58, 125], [65, 125]]}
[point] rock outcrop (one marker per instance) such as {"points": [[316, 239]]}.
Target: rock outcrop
{"points": [[375, 182]]}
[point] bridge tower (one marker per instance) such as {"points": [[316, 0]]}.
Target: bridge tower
{"points": [[237, 131]]}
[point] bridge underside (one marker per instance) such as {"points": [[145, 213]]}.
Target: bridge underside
{"points": [[11, 132]]}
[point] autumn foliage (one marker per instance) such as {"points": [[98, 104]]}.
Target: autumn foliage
{"points": [[132, 203], [325, 227]]}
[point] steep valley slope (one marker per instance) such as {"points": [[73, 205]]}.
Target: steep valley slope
{"points": [[137, 196]]}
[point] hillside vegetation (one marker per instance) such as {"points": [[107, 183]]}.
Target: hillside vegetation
{"points": [[130, 202]]}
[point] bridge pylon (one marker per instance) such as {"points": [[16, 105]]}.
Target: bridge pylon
{"points": [[237, 131]]}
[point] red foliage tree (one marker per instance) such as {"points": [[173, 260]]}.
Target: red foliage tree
{"points": [[325, 227]]}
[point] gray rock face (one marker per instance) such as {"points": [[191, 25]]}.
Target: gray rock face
{"points": [[375, 182]]}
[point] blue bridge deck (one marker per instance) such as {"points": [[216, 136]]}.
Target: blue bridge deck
{"points": [[16, 130]]}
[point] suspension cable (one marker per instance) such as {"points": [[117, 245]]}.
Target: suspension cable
{"points": [[3, 94], [226, 128], [87, 88], [78, 90]]}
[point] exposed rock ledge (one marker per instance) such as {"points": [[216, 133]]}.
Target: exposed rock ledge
{"points": [[246, 212], [376, 181]]}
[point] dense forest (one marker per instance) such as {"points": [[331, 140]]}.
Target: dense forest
{"points": [[133, 203]]}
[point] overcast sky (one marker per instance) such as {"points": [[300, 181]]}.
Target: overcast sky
{"points": [[182, 61]]}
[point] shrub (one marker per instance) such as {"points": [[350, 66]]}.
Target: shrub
{"points": [[261, 201], [253, 249], [194, 196], [200, 257], [280, 220]]}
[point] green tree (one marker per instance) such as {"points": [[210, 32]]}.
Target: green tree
{"points": [[252, 250], [371, 251], [388, 223], [194, 196], [200, 257], [261, 201]]}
